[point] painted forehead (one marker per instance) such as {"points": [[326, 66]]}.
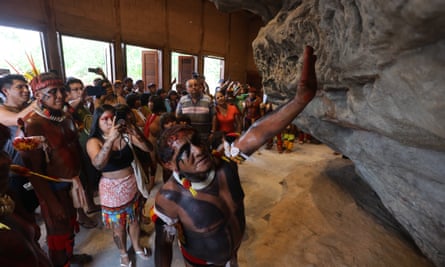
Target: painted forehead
{"points": [[107, 113], [183, 135]]}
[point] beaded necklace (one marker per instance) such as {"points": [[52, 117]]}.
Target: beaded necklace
{"points": [[46, 113], [193, 186]]}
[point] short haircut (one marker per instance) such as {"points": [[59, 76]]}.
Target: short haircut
{"points": [[158, 104], [70, 81], [166, 118], [131, 99], [184, 118], [7, 80], [128, 79]]}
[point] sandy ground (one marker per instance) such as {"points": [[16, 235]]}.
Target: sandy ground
{"points": [[300, 212]]}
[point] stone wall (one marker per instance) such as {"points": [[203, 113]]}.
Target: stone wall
{"points": [[381, 98]]}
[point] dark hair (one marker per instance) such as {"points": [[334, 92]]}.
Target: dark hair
{"points": [[7, 80], [97, 82], [166, 118], [70, 81], [184, 118], [160, 91], [145, 97], [131, 99], [165, 152], [158, 104], [123, 108], [128, 79], [95, 130], [172, 92]]}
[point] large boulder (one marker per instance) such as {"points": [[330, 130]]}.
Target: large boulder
{"points": [[381, 98]]}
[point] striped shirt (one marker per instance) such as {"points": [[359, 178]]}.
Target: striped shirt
{"points": [[201, 113]]}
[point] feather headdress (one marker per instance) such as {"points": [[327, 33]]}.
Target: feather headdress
{"points": [[30, 74]]}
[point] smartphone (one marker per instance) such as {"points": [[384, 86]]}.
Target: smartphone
{"points": [[121, 116], [95, 90], [93, 70]]}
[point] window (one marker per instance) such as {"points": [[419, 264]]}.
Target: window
{"points": [[213, 72], [80, 54], [183, 66], [16, 45], [144, 64]]}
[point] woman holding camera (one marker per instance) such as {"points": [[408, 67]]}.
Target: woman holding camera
{"points": [[110, 152]]}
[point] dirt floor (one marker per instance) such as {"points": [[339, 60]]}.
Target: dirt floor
{"points": [[301, 210]]}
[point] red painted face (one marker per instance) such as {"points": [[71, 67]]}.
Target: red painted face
{"points": [[106, 121]]}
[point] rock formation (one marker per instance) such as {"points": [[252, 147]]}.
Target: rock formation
{"points": [[381, 94]]}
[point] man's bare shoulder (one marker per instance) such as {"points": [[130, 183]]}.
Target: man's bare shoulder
{"points": [[169, 191]]}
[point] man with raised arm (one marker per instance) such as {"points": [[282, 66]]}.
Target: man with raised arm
{"points": [[202, 203]]}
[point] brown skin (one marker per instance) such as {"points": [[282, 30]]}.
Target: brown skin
{"points": [[264, 129], [19, 241], [252, 109], [13, 108], [64, 154], [194, 89], [65, 158], [215, 215], [99, 152], [221, 107]]}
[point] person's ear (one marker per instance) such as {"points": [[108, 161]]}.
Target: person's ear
{"points": [[170, 165], [38, 94], [5, 91]]}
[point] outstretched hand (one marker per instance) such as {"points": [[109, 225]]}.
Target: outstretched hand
{"points": [[274, 122], [308, 81]]}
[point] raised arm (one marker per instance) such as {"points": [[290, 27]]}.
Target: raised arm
{"points": [[98, 151], [267, 127], [10, 118]]}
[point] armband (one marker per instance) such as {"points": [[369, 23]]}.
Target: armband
{"points": [[233, 153]]}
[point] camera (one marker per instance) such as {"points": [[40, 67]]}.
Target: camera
{"points": [[121, 116], [95, 90]]}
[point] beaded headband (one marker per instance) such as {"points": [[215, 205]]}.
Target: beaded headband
{"points": [[37, 84]]}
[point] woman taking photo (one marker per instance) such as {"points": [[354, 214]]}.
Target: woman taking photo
{"points": [[110, 152]]}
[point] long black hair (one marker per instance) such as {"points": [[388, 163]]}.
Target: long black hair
{"points": [[95, 130]]}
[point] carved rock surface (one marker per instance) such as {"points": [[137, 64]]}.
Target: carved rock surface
{"points": [[266, 9], [381, 98]]}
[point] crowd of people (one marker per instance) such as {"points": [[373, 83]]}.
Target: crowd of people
{"points": [[68, 142]]}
